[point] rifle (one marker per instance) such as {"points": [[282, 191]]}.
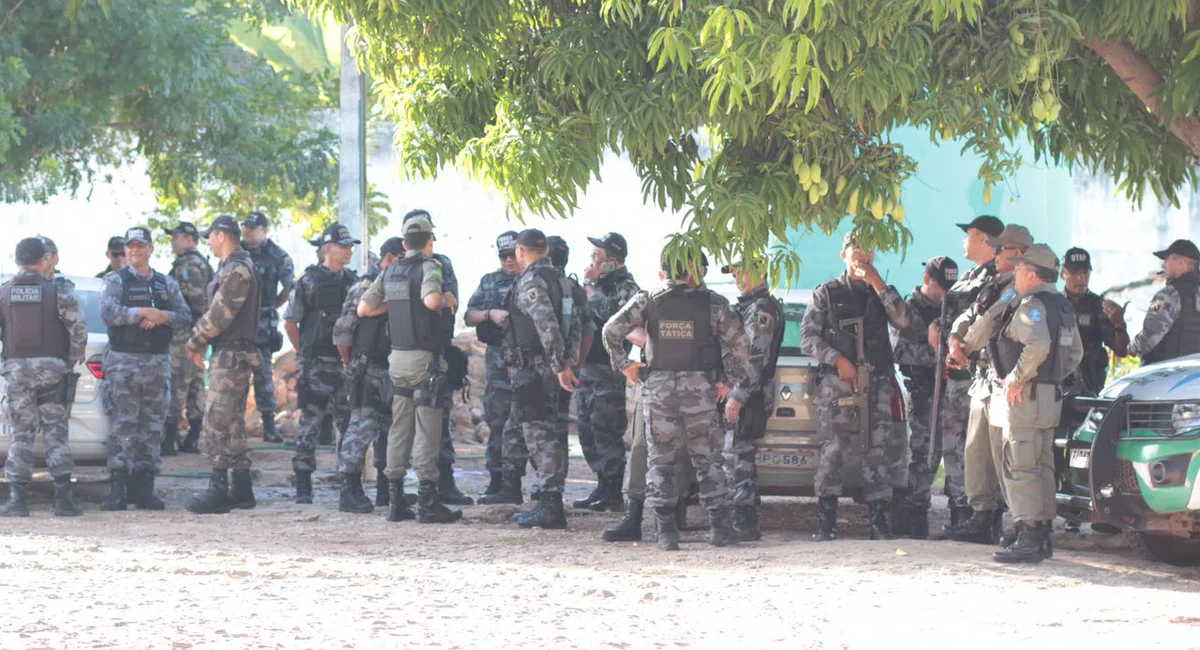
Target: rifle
{"points": [[939, 386], [861, 400]]}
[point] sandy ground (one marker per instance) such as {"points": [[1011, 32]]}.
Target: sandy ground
{"points": [[290, 576]]}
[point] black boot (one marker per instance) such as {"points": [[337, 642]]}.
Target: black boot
{"points": [[398, 509], [587, 501], [977, 529], [720, 531], [170, 439], [959, 514], [1028, 547], [1046, 528], [64, 498], [191, 443], [303, 487], [510, 493], [241, 495], [610, 496], [16, 506], [215, 500], [117, 499], [382, 490], [429, 506], [548, 514], [878, 513], [629, 529], [353, 499], [827, 528], [666, 525], [745, 524], [270, 433], [918, 522], [448, 491], [495, 484], [141, 492]]}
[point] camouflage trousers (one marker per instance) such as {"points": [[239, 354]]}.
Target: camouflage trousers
{"points": [[187, 383], [836, 423], [536, 397], [955, 406], [639, 453], [497, 406], [136, 397], [741, 472], [370, 419], [225, 440], [32, 391], [600, 407], [264, 383], [415, 435], [319, 391], [681, 412]]}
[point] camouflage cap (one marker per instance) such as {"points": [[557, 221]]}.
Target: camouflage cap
{"points": [[1038, 255]]}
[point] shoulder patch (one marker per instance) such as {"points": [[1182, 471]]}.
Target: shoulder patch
{"points": [[1156, 304], [764, 319], [531, 294], [1035, 315], [1008, 294]]}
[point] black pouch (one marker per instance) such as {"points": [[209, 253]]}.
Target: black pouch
{"points": [[489, 333], [752, 425], [275, 340], [530, 397]]}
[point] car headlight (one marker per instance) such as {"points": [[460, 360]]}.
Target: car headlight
{"points": [[1185, 416]]}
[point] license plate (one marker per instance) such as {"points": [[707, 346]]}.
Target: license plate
{"points": [[1081, 458], [796, 460]]}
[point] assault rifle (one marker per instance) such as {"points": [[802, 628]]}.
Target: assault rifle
{"points": [[861, 400], [939, 386]]}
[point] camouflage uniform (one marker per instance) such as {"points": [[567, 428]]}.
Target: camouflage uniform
{"points": [[446, 455], [136, 388], [370, 400], [277, 274], [497, 392], [193, 274], [1174, 311], [31, 390]]}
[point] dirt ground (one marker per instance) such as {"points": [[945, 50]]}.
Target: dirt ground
{"points": [[290, 576]]}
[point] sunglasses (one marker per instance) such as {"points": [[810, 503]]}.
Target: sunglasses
{"points": [[508, 255], [116, 254]]}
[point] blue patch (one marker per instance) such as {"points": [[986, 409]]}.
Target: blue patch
{"points": [[1008, 295], [1186, 380], [1035, 315]]}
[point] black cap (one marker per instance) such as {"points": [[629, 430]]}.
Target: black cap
{"points": [[1180, 247], [613, 243], [560, 253], [30, 251], [116, 243], [532, 238], [393, 246], [338, 234], [185, 228], [256, 220], [1076, 259], [51, 247], [224, 223], [138, 234], [507, 241], [943, 270], [986, 223]]}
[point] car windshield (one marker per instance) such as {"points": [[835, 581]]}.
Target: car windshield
{"points": [[89, 302], [793, 315]]}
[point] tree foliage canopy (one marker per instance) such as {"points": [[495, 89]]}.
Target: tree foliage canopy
{"points": [[761, 117]]}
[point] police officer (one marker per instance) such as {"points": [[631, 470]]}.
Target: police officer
{"points": [[1034, 346], [193, 273], [276, 276], [600, 399], [486, 313], [60, 281], [762, 319], [231, 326], [115, 254], [560, 255], [983, 452], [1101, 323], [364, 346], [44, 336], [420, 324], [311, 314], [825, 335], [1172, 325], [142, 309], [692, 334], [917, 361]]}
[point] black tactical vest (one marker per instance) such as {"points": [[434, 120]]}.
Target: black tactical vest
{"points": [[1060, 321], [29, 318], [1089, 318], [607, 285], [321, 311], [679, 331], [1184, 336], [266, 267], [772, 304], [928, 312], [845, 303], [371, 338], [522, 331], [196, 308], [243, 332], [412, 325], [142, 292]]}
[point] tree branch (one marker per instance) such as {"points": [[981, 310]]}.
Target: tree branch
{"points": [[1145, 81], [4, 23]]}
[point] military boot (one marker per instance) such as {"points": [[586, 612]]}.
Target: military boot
{"points": [[352, 498], [398, 508], [495, 484], [270, 433], [918, 522], [745, 523], [141, 492], [64, 498], [117, 499], [629, 529], [382, 490], [304, 487], [827, 525], [510, 493], [610, 496], [878, 514], [16, 505], [959, 514], [977, 529], [447, 489], [241, 494], [666, 524], [215, 500], [430, 509], [720, 530], [170, 439], [191, 443], [594, 497], [548, 514], [1028, 547]]}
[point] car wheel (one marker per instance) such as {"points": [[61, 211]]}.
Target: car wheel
{"points": [[1164, 548]]}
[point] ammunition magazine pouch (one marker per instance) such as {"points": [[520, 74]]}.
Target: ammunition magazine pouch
{"points": [[752, 425], [532, 402]]}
